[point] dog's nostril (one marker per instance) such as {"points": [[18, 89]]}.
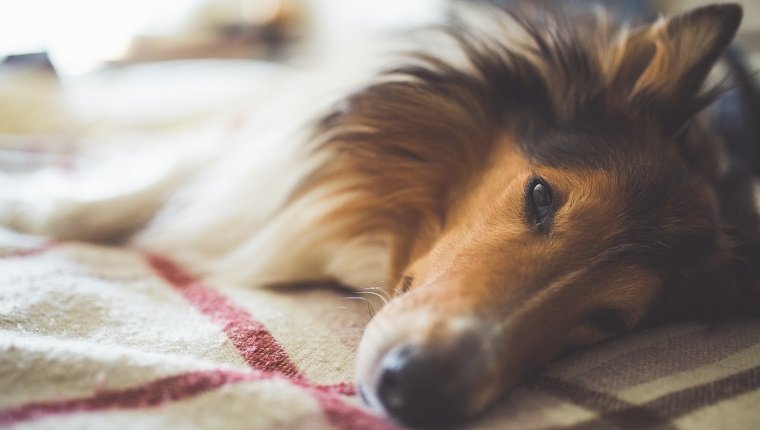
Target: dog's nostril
{"points": [[418, 388]]}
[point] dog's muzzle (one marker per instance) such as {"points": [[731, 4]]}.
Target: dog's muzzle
{"points": [[423, 377]]}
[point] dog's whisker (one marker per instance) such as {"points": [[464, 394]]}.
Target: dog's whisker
{"points": [[370, 308], [378, 289], [375, 294], [382, 291]]}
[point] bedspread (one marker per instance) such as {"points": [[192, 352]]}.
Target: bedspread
{"points": [[106, 337]]}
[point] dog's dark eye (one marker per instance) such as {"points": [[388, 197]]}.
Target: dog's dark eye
{"points": [[606, 320], [540, 200]]}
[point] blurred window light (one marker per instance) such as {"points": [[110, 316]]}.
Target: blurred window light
{"points": [[80, 35]]}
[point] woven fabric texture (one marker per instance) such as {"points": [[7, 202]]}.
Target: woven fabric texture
{"points": [[99, 337]]}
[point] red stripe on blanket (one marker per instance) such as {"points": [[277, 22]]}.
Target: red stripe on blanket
{"points": [[345, 416], [164, 390], [184, 386], [254, 342], [344, 388], [30, 252], [260, 349]]}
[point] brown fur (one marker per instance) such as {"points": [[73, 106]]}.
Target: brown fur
{"points": [[649, 223], [409, 151]]}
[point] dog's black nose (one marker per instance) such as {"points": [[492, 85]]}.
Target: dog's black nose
{"points": [[421, 388]]}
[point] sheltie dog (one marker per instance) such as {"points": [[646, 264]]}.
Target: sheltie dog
{"points": [[538, 182]]}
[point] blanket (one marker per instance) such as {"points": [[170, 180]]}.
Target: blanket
{"points": [[108, 337]]}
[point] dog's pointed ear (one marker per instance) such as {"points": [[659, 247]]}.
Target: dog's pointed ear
{"points": [[666, 63]]}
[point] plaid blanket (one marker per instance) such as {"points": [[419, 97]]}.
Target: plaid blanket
{"points": [[109, 338], [101, 337]]}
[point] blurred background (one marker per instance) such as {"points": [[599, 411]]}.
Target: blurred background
{"points": [[81, 35], [69, 68]]}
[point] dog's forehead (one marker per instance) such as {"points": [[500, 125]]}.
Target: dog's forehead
{"points": [[609, 142]]}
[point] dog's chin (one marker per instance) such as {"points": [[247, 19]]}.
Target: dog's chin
{"points": [[425, 372]]}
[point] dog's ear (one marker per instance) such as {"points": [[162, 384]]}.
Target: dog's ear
{"points": [[666, 63]]}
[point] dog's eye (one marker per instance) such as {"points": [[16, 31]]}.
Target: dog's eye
{"points": [[540, 200], [606, 320]]}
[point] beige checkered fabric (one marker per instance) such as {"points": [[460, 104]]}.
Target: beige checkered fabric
{"points": [[98, 337]]}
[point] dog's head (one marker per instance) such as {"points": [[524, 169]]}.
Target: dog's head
{"points": [[551, 192]]}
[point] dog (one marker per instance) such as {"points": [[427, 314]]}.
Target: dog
{"points": [[543, 183]]}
